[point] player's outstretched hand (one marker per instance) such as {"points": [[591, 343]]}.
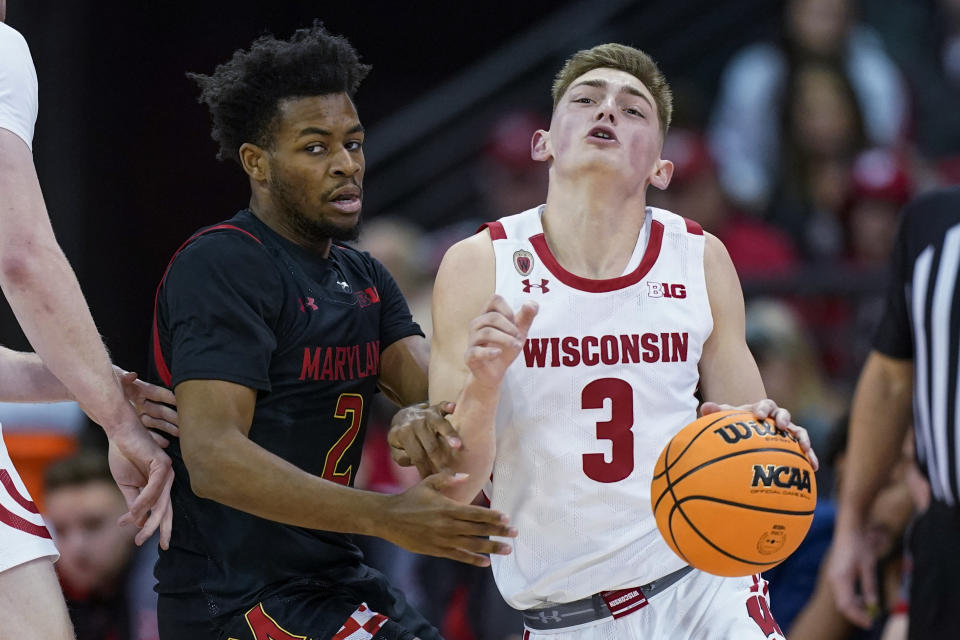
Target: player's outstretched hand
{"points": [[767, 408], [150, 402], [423, 520], [144, 474], [420, 435], [496, 337], [851, 562]]}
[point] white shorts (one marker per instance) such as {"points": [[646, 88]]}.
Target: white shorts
{"points": [[23, 534], [699, 606]]}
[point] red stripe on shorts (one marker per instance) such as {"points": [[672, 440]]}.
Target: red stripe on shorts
{"points": [[9, 518], [18, 497]]}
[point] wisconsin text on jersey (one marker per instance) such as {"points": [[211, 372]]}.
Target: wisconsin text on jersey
{"points": [[593, 350]]}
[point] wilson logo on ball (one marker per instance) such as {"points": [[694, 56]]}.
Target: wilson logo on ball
{"points": [[782, 476], [737, 431]]}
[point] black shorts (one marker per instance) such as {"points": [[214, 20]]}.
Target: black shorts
{"points": [[303, 609], [934, 596]]}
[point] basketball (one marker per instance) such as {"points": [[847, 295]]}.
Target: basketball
{"points": [[733, 495]]}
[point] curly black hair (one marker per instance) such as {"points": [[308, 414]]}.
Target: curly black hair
{"points": [[244, 94]]}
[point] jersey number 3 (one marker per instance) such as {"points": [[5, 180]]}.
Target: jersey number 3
{"points": [[349, 406], [617, 429]]}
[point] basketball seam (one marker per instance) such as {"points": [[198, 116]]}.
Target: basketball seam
{"points": [[725, 456], [666, 459], [751, 507], [676, 507]]}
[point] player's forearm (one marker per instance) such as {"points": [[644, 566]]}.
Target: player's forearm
{"points": [[237, 472], [24, 378], [879, 418], [43, 292], [475, 421], [403, 371]]}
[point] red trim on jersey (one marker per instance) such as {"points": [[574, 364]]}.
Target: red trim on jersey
{"points": [[693, 227], [526, 635], [10, 518], [497, 232], [650, 256], [18, 497], [158, 358]]}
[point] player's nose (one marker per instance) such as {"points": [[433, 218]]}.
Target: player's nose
{"points": [[606, 112]]}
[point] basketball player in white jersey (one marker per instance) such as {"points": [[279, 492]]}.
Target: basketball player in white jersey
{"points": [[71, 363], [562, 408]]}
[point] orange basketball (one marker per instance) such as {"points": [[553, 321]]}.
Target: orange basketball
{"points": [[732, 495]]}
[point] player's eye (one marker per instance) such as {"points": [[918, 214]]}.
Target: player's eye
{"points": [[315, 148], [354, 145]]}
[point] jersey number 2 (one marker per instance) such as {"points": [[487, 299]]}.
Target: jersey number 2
{"points": [[617, 429], [349, 405]]}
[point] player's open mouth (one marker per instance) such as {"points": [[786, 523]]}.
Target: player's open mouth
{"points": [[347, 200], [604, 134]]}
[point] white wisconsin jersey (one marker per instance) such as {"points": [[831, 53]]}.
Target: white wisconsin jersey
{"points": [[606, 377], [18, 85]]}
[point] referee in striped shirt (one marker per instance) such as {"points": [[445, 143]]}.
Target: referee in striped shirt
{"points": [[914, 362]]}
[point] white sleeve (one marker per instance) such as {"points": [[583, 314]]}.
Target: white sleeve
{"points": [[18, 85]]}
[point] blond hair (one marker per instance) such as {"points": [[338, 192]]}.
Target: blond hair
{"points": [[622, 58]]}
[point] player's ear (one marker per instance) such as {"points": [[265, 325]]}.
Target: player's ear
{"points": [[254, 162], [663, 171], [540, 146]]}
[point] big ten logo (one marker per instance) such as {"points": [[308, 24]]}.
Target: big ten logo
{"points": [[666, 290], [783, 476], [736, 431]]}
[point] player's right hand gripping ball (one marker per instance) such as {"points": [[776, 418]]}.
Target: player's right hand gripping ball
{"points": [[733, 495]]}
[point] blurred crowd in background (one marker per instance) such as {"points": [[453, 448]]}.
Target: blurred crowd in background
{"points": [[818, 134]]}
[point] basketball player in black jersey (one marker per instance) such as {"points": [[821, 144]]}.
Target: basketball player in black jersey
{"points": [[275, 337]]}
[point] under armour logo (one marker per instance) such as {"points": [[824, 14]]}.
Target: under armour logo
{"points": [[309, 304], [542, 286], [343, 285], [553, 616]]}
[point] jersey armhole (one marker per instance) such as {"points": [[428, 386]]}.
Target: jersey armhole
{"points": [[693, 228], [497, 232]]}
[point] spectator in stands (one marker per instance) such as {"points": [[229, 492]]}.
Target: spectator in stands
{"points": [[924, 39], [745, 127], [758, 250], [880, 186], [788, 361], [107, 580], [821, 134], [509, 179]]}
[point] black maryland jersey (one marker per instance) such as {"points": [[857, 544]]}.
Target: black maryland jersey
{"points": [[922, 323], [241, 303]]}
